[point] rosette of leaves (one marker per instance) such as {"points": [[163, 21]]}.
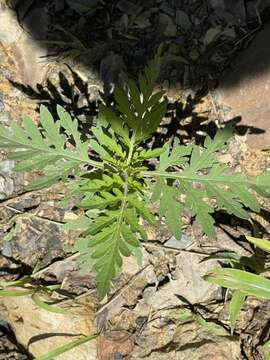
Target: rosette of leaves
{"points": [[115, 179]]}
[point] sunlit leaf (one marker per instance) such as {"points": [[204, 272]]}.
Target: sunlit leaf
{"points": [[69, 346], [48, 307], [260, 243], [237, 301], [249, 283]]}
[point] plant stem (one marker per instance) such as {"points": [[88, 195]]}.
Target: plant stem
{"points": [[131, 149], [125, 185]]}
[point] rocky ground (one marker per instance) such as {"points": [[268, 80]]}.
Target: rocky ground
{"points": [[215, 68]]}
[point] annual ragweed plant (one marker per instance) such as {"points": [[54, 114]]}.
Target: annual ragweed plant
{"points": [[115, 181]]}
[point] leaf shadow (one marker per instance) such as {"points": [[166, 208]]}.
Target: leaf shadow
{"points": [[183, 119], [123, 35], [44, 336], [72, 94]]}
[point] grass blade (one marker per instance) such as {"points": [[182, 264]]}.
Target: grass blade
{"points": [[52, 287], [10, 293], [236, 304], [249, 283], [210, 326], [183, 316], [187, 316], [266, 348], [260, 243], [45, 306], [69, 346], [13, 283]]}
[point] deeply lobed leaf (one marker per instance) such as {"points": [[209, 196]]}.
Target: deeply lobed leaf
{"points": [[46, 148], [115, 189], [203, 184]]}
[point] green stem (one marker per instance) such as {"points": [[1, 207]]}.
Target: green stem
{"points": [[131, 149], [125, 186]]}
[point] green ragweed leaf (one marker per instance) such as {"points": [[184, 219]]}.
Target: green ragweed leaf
{"points": [[109, 176], [45, 148], [170, 206], [141, 108], [203, 184]]}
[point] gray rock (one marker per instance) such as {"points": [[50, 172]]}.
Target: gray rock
{"points": [[183, 20], [185, 342], [31, 224], [10, 30], [10, 182], [26, 50], [35, 239], [218, 4], [6, 249], [31, 322], [167, 26], [2, 104], [166, 8], [128, 7], [235, 7], [186, 281], [212, 34], [183, 243]]}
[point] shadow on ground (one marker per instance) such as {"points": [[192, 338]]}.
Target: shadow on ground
{"points": [[182, 118], [118, 37]]}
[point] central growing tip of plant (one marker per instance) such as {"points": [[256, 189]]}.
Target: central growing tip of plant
{"points": [[113, 178]]}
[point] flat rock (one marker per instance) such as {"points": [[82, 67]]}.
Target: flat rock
{"points": [[245, 89], [26, 51], [187, 281], [187, 341], [40, 331], [31, 224], [10, 181]]}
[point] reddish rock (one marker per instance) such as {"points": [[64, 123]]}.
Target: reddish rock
{"points": [[114, 344], [245, 88]]}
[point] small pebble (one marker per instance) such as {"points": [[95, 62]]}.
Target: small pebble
{"points": [[183, 243], [118, 356]]}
